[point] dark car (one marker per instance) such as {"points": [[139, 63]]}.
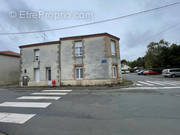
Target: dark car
{"points": [[150, 72]]}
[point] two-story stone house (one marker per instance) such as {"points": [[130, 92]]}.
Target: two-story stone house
{"points": [[78, 60]]}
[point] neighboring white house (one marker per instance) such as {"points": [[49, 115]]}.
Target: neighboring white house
{"points": [[124, 67]]}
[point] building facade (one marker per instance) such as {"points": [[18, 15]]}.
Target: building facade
{"points": [[9, 69], [79, 60]]}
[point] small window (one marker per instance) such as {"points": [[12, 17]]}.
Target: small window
{"points": [[78, 48], [114, 71], [113, 47], [79, 73], [36, 55]]}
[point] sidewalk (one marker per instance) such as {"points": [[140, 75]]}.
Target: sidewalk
{"points": [[124, 84]]}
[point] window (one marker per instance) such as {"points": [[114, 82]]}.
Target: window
{"points": [[79, 73], [78, 48], [114, 71], [36, 55], [48, 74], [113, 47]]}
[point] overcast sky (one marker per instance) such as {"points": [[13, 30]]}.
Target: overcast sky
{"points": [[134, 32]]}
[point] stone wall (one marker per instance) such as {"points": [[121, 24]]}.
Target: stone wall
{"points": [[9, 70]]}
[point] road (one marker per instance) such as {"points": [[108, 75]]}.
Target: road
{"points": [[139, 110]]}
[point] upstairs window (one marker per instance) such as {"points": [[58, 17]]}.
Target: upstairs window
{"points": [[113, 47], [36, 55], [78, 48]]}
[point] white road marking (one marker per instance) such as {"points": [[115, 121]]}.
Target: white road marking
{"points": [[174, 83], [146, 83], [148, 88], [168, 83], [57, 90], [39, 93], [155, 83], [38, 97], [15, 117], [25, 104], [138, 84]]}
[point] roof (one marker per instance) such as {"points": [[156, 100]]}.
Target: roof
{"points": [[70, 38], [9, 53], [39, 44], [89, 36]]}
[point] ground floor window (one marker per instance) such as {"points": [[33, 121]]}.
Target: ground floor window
{"points": [[114, 71], [48, 74], [36, 75], [79, 73]]}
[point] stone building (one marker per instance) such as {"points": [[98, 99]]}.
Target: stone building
{"points": [[9, 67], [79, 60]]}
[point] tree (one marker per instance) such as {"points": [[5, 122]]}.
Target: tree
{"points": [[159, 55]]}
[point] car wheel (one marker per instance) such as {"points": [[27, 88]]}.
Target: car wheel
{"points": [[173, 76]]}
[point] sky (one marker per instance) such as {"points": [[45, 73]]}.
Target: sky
{"points": [[135, 32]]}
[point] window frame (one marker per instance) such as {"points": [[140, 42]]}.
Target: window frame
{"points": [[78, 50], [113, 47], [114, 72], [80, 73], [36, 55]]}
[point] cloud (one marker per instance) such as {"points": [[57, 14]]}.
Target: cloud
{"points": [[21, 24]]}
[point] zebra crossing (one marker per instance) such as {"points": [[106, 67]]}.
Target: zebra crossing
{"points": [[19, 118], [157, 83]]}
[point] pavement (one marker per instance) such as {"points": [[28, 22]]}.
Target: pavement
{"points": [[137, 110]]}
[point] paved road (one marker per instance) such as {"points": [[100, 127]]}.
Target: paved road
{"points": [[130, 111], [152, 80]]}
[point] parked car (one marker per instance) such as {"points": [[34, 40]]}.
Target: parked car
{"points": [[171, 72], [123, 72], [141, 72], [150, 72], [127, 71]]}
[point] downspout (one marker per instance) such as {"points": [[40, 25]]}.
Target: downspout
{"points": [[60, 62]]}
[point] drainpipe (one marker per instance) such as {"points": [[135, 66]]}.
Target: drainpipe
{"points": [[60, 61]]}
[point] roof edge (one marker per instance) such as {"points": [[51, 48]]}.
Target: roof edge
{"points": [[89, 36], [39, 44], [4, 54]]}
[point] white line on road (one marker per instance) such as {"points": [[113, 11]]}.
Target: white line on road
{"points": [[38, 97], [146, 83], [173, 83], [25, 104], [149, 88], [138, 84], [57, 90], [168, 83], [48, 93], [15, 117], [155, 83]]}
